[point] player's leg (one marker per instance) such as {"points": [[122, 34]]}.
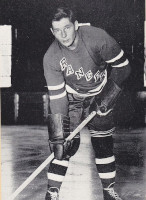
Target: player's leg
{"points": [[101, 129], [56, 174], [75, 114], [58, 129], [58, 168]]}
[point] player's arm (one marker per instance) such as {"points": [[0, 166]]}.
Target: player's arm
{"points": [[58, 120], [56, 86], [58, 99], [112, 54]]}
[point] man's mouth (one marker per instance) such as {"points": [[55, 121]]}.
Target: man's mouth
{"points": [[65, 41]]}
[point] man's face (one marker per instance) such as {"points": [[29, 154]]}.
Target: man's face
{"points": [[64, 31]]}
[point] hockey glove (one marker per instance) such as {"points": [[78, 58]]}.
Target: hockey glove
{"points": [[109, 96], [58, 129]]}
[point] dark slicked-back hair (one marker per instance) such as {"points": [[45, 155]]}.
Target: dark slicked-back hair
{"points": [[63, 12]]}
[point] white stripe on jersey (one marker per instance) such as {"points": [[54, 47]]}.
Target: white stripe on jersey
{"points": [[122, 64], [56, 87], [105, 160], [116, 58], [58, 96], [107, 175], [72, 91]]}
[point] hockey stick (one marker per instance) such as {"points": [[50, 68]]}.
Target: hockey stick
{"points": [[48, 160]]}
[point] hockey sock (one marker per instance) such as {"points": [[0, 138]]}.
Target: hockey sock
{"points": [[102, 142], [56, 172]]}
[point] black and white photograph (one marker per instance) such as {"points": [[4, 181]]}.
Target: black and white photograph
{"points": [[73, 99]]}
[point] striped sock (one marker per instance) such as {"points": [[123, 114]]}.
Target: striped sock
{"points": [[57, 172], [106, 170], [102, 142]]}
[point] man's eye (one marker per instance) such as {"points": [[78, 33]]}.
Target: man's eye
{"points": [[68, 27], [56, 31]]}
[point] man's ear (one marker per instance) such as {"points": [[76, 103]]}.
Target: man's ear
{"points": [[52, 31], [76, 25]]}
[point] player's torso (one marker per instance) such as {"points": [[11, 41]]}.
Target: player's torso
{"points": [[79, 69]]}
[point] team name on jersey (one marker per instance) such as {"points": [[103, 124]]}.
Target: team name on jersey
{"points": [[98, 76]]}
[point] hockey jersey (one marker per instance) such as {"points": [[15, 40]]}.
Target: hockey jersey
{"points": [[82, 71]]}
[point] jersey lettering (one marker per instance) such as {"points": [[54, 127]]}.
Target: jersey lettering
{"points": [[80, 73], [97, 76], [89, 75], [102, 75], [69, 70], [63, 63]]}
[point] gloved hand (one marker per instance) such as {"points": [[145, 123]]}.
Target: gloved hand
{"points": [[96, 106], [108, 98], [59, 148], [58, 129]]}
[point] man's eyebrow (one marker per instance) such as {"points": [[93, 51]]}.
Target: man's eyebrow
{"points": [[67, 25]]}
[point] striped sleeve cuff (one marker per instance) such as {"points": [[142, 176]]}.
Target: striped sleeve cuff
{"points": [[118, 61], [58, 96], [57, 91]]}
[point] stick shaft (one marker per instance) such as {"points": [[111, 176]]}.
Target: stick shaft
{"points": [[50, 158], [79, 128], [32, 176]]}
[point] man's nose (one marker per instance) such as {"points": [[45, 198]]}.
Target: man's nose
{"points": [[63, 34]]}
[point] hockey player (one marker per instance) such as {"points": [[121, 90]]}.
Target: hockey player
{"points": [[76, 68]]}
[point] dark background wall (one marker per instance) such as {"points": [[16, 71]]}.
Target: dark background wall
{"points": [[123, 19]]}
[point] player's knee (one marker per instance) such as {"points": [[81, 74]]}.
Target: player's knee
{"points": [[102, 146]]}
